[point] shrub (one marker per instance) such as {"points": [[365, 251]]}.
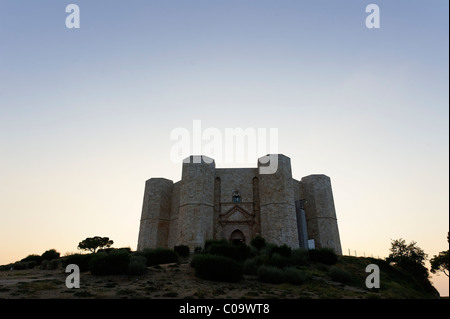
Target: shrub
{"points": [[6, 267], [227, 249], [36, 258], [21, 265], [114, 263], [270, 274], [340, 275], [282, 250], [182, 250], [258, 242], [137, 265], [81, 260], [323, 255], [159, 256], [251, 266], [275, 275], [294, 276], [211, 242], [299, 257], [279, 261], [217, 268], [50, 264], [50, 254]]}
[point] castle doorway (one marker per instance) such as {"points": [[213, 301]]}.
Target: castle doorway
{"points": [[237, 237]]}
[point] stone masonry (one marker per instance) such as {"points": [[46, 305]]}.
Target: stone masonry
{"points": [[238, 204]]}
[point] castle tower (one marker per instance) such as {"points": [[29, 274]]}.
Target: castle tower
{"points": [[276, 195], [154, 226], [196, 213], [320, 212]]}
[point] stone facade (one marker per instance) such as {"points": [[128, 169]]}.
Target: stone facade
{"points": [[237, 204]]}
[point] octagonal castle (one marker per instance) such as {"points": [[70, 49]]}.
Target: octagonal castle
{"points": [[238, 204]]}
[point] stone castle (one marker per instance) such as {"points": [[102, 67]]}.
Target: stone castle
{"points": [[238, 204]]}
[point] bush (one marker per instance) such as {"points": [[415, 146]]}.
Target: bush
{"points": [[217, 268], [279, 261], [282, 250], [81, 260], [323, 255], [275, 275], [114, 263], [50, 264], [340, 275], [294, 276], [6, 267], [299, 257], [251, 266], [159, 256], [35, 258], [270, 274], [182, 250], [50, 254], [137, 265], [227, 249], [258, 242], [21, 265]]}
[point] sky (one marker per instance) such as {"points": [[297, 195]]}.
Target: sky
{"points": [[86, 113]]}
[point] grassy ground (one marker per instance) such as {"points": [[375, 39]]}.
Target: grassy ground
{"points": [[345, 280]]}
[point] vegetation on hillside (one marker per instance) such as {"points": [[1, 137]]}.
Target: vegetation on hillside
{"points": [[320, 272]]}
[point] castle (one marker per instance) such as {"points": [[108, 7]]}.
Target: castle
{"points": [[238, 204]]}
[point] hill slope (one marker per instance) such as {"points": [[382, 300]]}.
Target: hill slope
{"points": [[345, 279]]}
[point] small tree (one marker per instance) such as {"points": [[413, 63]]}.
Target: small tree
{"points": [[93, 243], [409, 257], [440, 262], [403, 254]]}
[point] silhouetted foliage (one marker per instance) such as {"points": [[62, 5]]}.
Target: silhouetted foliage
{"points": [[216, 268], [35, 258], [440, 263], [182, 250], [258, 242], [236, 252], [50, 254], [411, 258], [81, 260], [93, 243], [159, 256], [114, 263], [137, 265], [323, 255]]}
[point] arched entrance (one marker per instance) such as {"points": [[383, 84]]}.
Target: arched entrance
{"points": [[237, 237]]}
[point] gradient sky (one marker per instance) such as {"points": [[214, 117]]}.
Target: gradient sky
{"points": [[86, 114]]}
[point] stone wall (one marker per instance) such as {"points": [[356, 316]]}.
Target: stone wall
{"points": [[201, 207], [174, 231], [196, 212], [277, 206], [232, 180], [154, 225], [320, 212]]}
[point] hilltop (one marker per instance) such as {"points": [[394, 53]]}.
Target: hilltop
{"points": [[343, 280]]}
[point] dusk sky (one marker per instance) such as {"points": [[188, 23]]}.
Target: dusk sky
{"points": [[86, 114]]}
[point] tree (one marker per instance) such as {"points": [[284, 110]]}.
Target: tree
{"points": [[94, 243], [409, 257], [401, 253], [440, 262]]}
